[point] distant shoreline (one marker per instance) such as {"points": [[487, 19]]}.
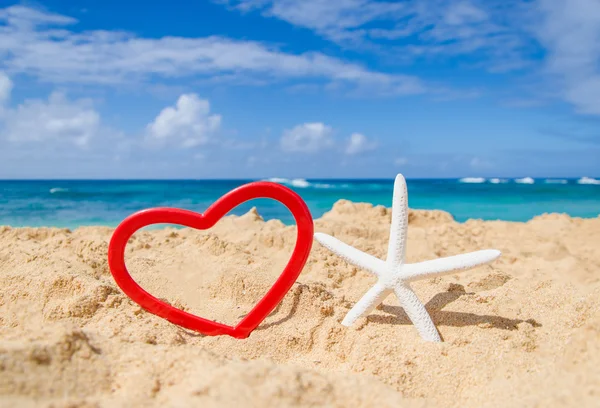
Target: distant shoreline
{"points": [[442, 213], [174, 226]]}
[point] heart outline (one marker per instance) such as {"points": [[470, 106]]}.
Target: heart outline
{"points": [[204, 221]]}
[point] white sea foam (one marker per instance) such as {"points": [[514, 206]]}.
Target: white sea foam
{"points": [[323, 185], [498, 181], [525, 180], [58, 190], [279, 180], [556, 181], [472, 180], [301, 183], [588, 180]]}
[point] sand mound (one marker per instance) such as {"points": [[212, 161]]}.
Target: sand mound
{"points": [[524, 331]]}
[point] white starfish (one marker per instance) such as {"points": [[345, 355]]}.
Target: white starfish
{"points": [[394, 275]]}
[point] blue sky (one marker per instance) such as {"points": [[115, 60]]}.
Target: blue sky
{"points": [[299, 88]]}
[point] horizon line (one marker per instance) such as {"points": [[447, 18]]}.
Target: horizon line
{"points": [[296, 178]]}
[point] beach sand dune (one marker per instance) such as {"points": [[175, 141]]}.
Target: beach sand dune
{"points": [[522, 331]]}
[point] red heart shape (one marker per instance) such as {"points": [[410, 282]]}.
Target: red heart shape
{"points": [[304, 222]]}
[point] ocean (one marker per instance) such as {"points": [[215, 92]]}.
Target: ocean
{"points": [[69, 204]]}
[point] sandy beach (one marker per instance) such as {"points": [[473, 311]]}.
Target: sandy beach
{"points": [[522, 331]]}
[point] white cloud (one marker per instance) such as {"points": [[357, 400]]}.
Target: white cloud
{"points": [[561, 35], [330, 18], [19, 16], [6, 86], [359, 143], [315, 137], [463, 12], [187, 124], [400, 161], [570, 31], [55, 120], [433, 27], [307, 138], [30, 44]]}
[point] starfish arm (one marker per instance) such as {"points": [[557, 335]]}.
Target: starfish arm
{"points": [[366, 304], [399, 226], [416, 312], [350, 254], [448, 265]]}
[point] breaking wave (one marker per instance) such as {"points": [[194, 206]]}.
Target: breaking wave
{"points": [[498, 181], [588, 180], [472, 180], [525, 180], [299, 182]]}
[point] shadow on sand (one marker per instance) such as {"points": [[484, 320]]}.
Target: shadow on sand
{"points": [[445, 318]]}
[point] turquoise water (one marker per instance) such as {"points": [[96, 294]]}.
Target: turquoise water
{"points": [[74, 203]]}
